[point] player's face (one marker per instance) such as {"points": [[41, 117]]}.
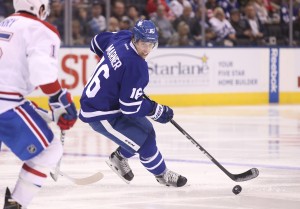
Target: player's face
{"points": [[144, 48]]}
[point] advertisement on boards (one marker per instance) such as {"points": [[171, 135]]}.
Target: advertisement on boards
{"points": [[208, 70]]}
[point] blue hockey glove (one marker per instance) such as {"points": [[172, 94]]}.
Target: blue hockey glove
{"points": [[64, 112], [161, 113]]}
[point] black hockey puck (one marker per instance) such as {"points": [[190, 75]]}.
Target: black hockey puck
{"points": [[237, 189]]}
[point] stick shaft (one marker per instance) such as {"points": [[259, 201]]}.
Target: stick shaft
{"points": [[189, 137], [250, 174], [57, 168]]}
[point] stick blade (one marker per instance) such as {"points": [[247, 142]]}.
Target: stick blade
{"points": [[89, 180], [84, 181], [246, 176]]}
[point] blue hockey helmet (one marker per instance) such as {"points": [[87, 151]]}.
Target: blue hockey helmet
{"points": [[145, 30]]}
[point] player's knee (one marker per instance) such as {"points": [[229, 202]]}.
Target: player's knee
{"points": [[49, 157], [32, 174], [149, 147]]}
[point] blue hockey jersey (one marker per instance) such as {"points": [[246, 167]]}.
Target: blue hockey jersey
{"points": [[117, 84]]}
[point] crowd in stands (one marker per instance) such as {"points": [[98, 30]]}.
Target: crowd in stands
{"points": [[180, 22]]}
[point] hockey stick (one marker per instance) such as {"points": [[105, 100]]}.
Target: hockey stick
{"points": [[79, 181], [83, 181], [248, 175], [56, 171]]}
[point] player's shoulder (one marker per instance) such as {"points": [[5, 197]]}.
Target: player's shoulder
{"points": [[30, 21], [123, 34]]}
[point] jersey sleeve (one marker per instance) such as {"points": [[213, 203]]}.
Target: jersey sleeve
{"points": [[100, 42], [132, 102], [42, 54]]}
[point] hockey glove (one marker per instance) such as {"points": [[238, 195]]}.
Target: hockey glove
{"points": [[161, 113], [64, 112]]}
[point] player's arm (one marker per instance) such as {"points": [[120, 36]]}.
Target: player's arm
{"points": [[132, 101], [100, 42], [138, 106], [42, 57]]}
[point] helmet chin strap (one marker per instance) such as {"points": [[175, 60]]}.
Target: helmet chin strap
{"points": [[133, 42]]}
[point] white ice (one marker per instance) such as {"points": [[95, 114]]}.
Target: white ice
{"points": [[239, 137]]}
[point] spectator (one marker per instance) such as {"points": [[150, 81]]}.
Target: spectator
{"points": [[133, 14], [182, 36], [56, 17], [177, 6], [165, 28], [211, 4], [243, 30], [243, 3], [81, 14], [296, 27], [152, 6], [140, 6], [227, 6], [225, 33], [98, 22], [113, 24], [196, 29], [186, 16], [7, 7], [118, 9], [77, 37], [257, 28], [261, 11], [125, 23]]}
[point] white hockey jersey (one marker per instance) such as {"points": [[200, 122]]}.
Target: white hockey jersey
{"points": [[28, 57]]}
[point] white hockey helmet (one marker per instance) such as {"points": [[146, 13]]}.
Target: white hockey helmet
{"points": [[33, 7]]}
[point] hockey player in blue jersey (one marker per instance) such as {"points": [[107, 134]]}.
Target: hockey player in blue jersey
{"points": [[29, 60], [112, 102]]}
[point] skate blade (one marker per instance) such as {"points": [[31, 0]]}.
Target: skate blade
{"points": [[114, 170]]}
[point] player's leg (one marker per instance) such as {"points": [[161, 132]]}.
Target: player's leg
{"points": [[153, 161], [136, 135], [129, 133], [31, 140]]}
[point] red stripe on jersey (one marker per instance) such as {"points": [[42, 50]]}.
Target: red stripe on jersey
{"points": [[33, 126], [33, 171], [11, 93], [51, 88], [48, 25]]}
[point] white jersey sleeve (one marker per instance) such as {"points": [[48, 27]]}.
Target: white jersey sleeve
{"points": [[42, 55], [28, 56]]}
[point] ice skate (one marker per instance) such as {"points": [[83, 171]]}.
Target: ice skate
{"points": [[170, 178], [120, 166], [9, 203]]}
